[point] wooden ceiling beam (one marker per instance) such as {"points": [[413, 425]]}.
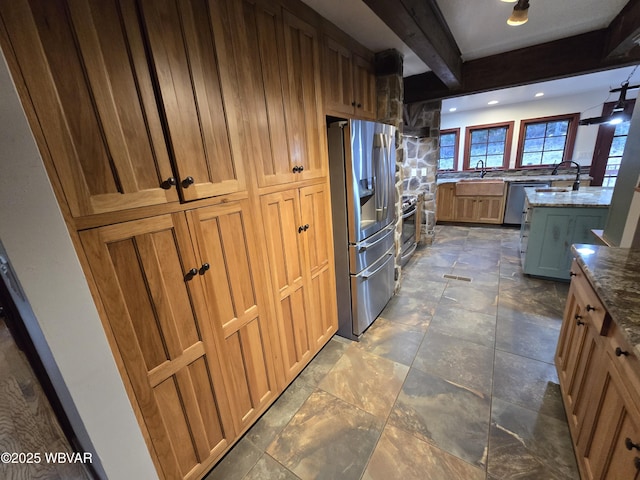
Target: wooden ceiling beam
{"points": [[421, 25], [624, 31], [577, 55]]}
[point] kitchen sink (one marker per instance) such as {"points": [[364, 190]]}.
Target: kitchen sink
{"points": [[479, 187], [552, 189]]}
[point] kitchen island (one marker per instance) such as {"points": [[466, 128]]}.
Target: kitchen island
{"points": [[555, 218], [598, 360]]}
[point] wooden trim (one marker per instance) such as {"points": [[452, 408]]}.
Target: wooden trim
{"points": [[623, 29], [456, 148], [421, 25], [507, 144], [570, 140]]}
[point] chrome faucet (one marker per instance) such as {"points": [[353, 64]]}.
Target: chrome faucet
{"points": [[576, 184], [483, 171]]}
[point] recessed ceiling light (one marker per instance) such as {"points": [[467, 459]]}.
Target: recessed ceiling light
{"points": [[453, 109], [540, 94], [492, 102]]}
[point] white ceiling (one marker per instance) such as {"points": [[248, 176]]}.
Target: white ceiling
{"points": [[480, 29]]}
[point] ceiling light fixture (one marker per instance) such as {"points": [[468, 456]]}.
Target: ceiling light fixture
{"points": [[492, 102], [540, 94], [452, 109], [520, 13], [618, 114]]}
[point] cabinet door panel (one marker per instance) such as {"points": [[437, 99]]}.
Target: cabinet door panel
{"points": [[318, 238], [202, 124], [160, 325], [281, 212], [258, 43], [338, 78], [226, 242], [364, 80], [304, 112], [85, 68]]}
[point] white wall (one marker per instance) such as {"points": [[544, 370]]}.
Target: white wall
{"points": [[39, 246], [590, 103]]}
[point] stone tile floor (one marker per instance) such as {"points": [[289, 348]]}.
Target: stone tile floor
{"points": [[455, 380]]}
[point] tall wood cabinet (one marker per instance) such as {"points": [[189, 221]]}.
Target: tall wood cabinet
{"points": [[299, 242], [186, 144]]}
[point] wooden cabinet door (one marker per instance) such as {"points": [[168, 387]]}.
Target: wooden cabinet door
{"points": [[338, 72], [318, 239], [85, 68], [602, 445], [192, 59], [490, 209], [466, 209], [304, 110], [284, 234], [235, 295], [157, 313], [258, 39], [445, 202], [365, 94]]}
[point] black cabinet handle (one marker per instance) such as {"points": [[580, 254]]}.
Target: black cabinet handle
{"points": [[636, 462], [168, 183], [579, 319], [301, 229], [190, 274], [572, 274], [590, 308], [188, 181], [630, 445], [296, 169], [306, 227], [620, 352], [301, 168], [204, 268]]}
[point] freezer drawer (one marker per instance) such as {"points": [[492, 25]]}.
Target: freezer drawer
{"points": [[363, 254], [371, 289]]}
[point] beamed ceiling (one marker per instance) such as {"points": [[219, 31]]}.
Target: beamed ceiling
{"points": [[467, 47]]}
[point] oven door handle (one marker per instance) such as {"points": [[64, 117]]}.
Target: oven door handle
{"points": [[366, 274], [409, 213]]}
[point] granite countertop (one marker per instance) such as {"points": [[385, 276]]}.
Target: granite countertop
{"points": [[614, 274], [515, 178], [585, 197]]}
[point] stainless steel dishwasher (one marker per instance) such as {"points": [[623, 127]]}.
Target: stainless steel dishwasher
{"points": [[515, 200]]}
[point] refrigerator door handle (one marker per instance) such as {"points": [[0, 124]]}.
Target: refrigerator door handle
{"points": [[365, 246], [366, 273]]}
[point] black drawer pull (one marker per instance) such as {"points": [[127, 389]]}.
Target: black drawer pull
{"points": [[620, 352], [572, 274], [187, 181], [590, 308], [636, 462], [630, 445], [190, 274], [204, 268], [579, 319]]}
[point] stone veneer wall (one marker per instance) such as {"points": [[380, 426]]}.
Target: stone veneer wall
{"points": [[421, 152], [390, 94]]}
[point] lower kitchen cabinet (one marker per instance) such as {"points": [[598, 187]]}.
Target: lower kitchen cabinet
{"points": [[299, 244], [182, 296], [547, 234], [446, 202], [600, 386], [468, 208]]}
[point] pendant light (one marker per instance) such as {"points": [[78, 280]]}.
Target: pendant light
{"points": [[618, 114], [520, 13]]}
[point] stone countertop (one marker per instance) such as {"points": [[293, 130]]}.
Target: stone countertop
{"points": [[614, 274], [517, 178], [585, 197]]}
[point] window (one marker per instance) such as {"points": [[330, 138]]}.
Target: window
{"points": [[609, 148], [489, 143], [546, 141], [448, 160]]}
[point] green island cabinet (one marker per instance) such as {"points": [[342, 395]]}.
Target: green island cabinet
{"points": [[547, 233]]}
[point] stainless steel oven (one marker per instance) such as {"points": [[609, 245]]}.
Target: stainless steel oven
{"points": [[409, 227]]}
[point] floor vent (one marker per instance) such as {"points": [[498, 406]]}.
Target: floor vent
{"points": [[456, 277]]}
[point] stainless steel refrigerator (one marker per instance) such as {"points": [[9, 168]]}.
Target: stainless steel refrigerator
{"points": [[362, 169]]}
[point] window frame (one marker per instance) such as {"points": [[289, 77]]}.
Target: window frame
{"points": [[507, 144], [572, 130], [456, 149]]}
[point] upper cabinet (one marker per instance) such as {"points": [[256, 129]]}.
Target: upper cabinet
{"points": [[111, 137], [85, 68], [349, 82], [190, 53]]}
